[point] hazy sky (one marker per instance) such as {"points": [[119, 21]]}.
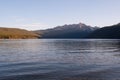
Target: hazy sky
{"points": [[41, 14]]}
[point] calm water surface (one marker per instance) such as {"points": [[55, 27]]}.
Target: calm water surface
{"points": [[59, 59]]}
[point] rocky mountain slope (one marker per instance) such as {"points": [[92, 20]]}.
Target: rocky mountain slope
{"points": [[67, 31]]}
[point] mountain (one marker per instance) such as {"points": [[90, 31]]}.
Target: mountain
{"points": [[67, 31], [109, 32], [14, 33]]}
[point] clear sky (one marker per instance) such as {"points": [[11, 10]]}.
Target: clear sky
{"points": [[42, 14]]}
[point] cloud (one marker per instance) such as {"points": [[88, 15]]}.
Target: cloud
{"points": [[34, 26], [23, 23], [29, 24]]}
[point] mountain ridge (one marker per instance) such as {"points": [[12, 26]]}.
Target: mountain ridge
{"points": [[67, 31], [108, 32], [15, 33]]}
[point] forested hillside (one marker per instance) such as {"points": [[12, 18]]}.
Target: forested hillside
{"points": [[14, 33]]}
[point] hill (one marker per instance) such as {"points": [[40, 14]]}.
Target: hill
{"points": [[67, 31], [14, 33], [109, 32]]}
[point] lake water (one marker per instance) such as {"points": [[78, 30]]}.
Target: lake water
{"points": [[59, 59]]}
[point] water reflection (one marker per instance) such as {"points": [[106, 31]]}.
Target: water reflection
{"points": [[60, 51], [56, 58]]}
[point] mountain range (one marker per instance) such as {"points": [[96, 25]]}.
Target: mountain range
{"points": [[71, 31], [67, 31]]}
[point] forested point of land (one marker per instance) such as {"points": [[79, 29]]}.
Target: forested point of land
{"points": [[14, 33]]}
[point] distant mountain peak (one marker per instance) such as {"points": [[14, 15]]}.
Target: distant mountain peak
{"points": [[79, 30], [82, 25]]}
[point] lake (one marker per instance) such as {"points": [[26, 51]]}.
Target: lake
{"points": [[60, 59]]}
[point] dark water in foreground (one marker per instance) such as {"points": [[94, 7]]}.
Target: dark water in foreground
{"points": [[52, 59]]}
